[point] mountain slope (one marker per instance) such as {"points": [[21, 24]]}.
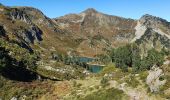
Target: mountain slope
{"points": [[89, 33], [97, 30], [152, 32], [29, 27], [29, 30], [113, 31]]}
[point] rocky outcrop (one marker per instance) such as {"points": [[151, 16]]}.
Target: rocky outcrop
{"points": [[30, 35], [27, 27], [159, 25], [153, 79], [18, 14], [152, 32], [151, 39], [154, 22], [21, 24], [37, 17]]}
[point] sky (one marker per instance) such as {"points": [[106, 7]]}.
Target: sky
{"points": [[124, 8]]}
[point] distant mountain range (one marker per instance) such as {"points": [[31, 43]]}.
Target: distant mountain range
{"points": [[88, 33]]}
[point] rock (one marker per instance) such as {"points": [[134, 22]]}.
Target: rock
{"points": [[18, 14], [167, 62], [31, 35], [105, 75], [86, 72], [24, 97], [39, 77], [153, 79], [152, 21], [14, 98], [136, 74]]}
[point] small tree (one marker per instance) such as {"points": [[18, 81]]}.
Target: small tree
{"points": [[136, 58], [154, 58], [123, 57]]}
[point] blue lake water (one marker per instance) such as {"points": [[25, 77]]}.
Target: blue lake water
{"points": [[95, 68], [92, 68]]}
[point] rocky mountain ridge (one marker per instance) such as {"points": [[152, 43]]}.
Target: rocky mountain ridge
{"points": [[116, 31], [88, 33], [31, 27]]}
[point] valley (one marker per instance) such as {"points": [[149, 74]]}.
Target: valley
{"points": [[83, 56]]}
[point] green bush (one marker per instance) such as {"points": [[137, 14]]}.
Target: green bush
{"points": [[108, 69], [123, 57]]}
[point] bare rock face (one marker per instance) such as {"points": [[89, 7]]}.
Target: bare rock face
{"points": [[37, 17], [157, 24], [20, 24], [30, 35], [153, 79], [18, 14], [154, 22], [152, 32]]}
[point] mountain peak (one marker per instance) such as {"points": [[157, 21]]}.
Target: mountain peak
{"points": [[153, 21], [90, 10], [148, 17]]}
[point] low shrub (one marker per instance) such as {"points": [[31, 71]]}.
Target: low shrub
{"points": [[132, 81], [109, 94]]}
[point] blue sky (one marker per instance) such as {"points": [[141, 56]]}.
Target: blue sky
{"points": [[125, 8]]}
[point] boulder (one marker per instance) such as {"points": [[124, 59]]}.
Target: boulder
{"points": [[153, 79]]}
